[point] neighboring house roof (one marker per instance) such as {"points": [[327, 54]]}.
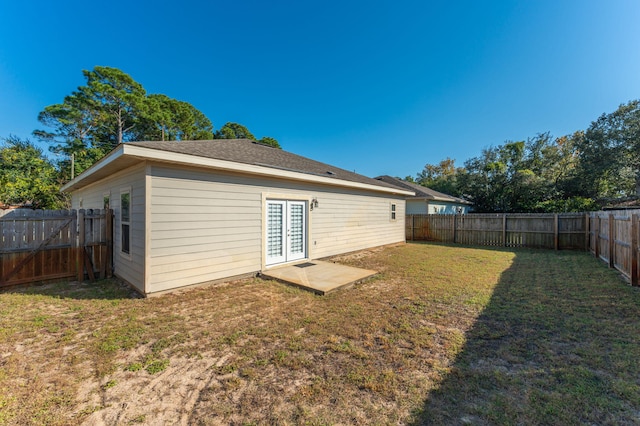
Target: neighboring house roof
{"points": [[422, 192], [630, 203], [240, 155]]}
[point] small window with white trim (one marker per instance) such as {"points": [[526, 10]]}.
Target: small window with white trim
{"points": [[393, 212], [125, 220]]}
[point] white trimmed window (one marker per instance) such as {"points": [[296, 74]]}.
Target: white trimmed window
{"points": [[392, 215], [125, 221]]}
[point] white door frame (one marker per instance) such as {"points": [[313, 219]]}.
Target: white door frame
{"points": [[282, 243], [296, 248]]}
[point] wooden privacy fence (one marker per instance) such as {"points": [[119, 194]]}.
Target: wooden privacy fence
{"points": [[612, 236], [614, 239], [41, 245], [550, 231]]}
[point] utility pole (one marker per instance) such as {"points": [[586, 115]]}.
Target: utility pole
{"points": [[73, 159]]}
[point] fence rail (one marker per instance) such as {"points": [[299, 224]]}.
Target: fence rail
{"points": [[42, 245], [551, 231], [612, 236]]}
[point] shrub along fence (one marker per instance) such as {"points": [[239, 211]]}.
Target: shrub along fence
{"points": [[42, 245], [610, 235]]}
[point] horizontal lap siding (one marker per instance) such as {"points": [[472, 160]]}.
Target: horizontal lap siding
{"points": [[207, 225], [204, 227], [417, 207], [130, 268], [344, 222]]}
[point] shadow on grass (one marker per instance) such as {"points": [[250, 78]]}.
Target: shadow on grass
{"points": [[106, 289], [558, 343]]}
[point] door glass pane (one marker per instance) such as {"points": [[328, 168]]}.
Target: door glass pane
{"points": [[296, 221], [275, 236]]}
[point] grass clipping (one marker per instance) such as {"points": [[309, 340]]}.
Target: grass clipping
{"points": [[444, 334]]}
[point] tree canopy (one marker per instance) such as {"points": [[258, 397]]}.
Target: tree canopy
{"points": [[576, 172], [109, 109], [610, 153], [27, 177], [112, 108], [238, 131]]}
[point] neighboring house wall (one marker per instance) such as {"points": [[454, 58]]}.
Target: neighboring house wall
{"points": [[208, 225], [442, 207], [129, 267], [416, 206], [435, 207]]}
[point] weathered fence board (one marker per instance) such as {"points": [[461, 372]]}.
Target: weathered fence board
{"points": [[614, 239], [551, 231], [42, 245]]}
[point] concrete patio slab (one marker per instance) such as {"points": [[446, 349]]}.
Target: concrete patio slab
{"points": [[318, 276]]}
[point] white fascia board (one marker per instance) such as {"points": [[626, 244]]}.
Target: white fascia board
{"points": [[441, 199], [104, 161]]}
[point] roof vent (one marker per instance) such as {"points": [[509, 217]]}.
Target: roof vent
{"points": [[329, 172]]}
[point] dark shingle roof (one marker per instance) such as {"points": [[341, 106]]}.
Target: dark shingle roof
{"points": [[249, 152], [421, 191]]}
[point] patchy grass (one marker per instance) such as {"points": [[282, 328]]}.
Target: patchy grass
{"points": [[443, 335]]}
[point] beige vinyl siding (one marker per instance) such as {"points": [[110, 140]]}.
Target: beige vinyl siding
{"points": [[129, 267], [201, 230], [207, 225], [344, 223]]}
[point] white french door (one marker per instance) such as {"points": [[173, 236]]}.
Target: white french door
{"points": [[286, 236]]}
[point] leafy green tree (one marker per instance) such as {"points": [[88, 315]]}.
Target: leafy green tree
{"points": [[270, 141], [610, 153], [94, 118], [27, 177], [118, 101], [572, 204], [234, 131], [170, 119], [238, 131], [517, 176], [110, 109], [540, 174], [442, 177]]}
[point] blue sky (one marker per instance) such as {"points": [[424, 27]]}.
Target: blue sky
{"points": [[377, 87]]}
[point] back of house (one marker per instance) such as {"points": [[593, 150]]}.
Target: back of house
{"points": [[193, 212]]}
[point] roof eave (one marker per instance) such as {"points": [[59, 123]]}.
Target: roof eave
{"points": [[433, 198], [99, 165], [145, 153]]}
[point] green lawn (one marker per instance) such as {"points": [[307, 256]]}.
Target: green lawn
{"points": [[443, 335]]}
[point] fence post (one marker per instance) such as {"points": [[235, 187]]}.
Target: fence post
{"points": [[612, 241], [108, 213], [73, 239], [80, 248], [596, 239], [455, 228], [504, 229], [587, 239], [413, 225], [556, 230], [634, 250]]}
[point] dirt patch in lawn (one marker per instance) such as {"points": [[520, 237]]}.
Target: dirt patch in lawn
{"points": [[442, 334]]}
